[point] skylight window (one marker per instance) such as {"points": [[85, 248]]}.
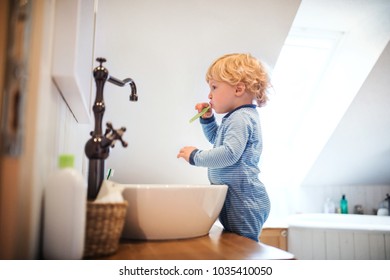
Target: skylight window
{"points": [[296, 78]]}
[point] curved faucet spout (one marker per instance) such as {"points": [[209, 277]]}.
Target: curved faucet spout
{"points": [[121, 83]]}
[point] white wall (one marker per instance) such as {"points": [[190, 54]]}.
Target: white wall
{"points": [[57, 130], [54, 130], [166, 47]]}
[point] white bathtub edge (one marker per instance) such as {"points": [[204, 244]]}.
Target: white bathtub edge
{"points": [[340, 222]]}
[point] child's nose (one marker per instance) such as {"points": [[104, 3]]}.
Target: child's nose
{"points": [[210, 96]]}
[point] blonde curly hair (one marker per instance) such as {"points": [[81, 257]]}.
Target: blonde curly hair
{"points": [[241, 68]]}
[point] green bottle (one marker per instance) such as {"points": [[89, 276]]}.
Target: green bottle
{"points": [[344, 205]]}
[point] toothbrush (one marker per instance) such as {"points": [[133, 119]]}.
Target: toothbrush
{"points": [[110, 173], [197, 116]]}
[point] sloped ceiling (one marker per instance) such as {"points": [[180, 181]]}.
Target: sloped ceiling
{"points": [[342, 134], [358, 152]]}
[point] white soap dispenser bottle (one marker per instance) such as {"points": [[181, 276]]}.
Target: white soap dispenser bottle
{"points": [[65, 199]]}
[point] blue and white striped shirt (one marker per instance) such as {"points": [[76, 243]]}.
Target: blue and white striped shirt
{"points": [[234, 162]]}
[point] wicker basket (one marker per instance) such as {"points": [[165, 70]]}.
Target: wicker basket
{"points": [[104, 228]]}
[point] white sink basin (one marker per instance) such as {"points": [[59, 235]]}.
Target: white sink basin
{"points": [[161, 212]]}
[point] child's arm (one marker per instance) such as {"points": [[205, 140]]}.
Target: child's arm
{"points": [[234, 143]]}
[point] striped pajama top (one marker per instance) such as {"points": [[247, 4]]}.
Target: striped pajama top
{"points": [[233, 161]]}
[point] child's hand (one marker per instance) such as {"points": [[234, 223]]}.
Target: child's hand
{"points": [[201, 106], [185, 152]]}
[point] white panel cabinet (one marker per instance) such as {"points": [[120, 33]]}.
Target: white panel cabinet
{"points": [[73, 47], [307, 244]]}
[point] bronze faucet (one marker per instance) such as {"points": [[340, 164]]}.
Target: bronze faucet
{"points": [[97, 148]]}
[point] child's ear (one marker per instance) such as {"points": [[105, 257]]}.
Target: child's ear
{"points": [[240, 89]]}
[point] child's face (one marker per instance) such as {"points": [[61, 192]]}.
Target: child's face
{"points": [[222, 96]]}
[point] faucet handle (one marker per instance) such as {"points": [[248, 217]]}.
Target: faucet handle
{"points": [[115, 134], [101, 60]]}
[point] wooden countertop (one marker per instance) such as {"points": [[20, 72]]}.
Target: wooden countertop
{"points": [[217, 245]]}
